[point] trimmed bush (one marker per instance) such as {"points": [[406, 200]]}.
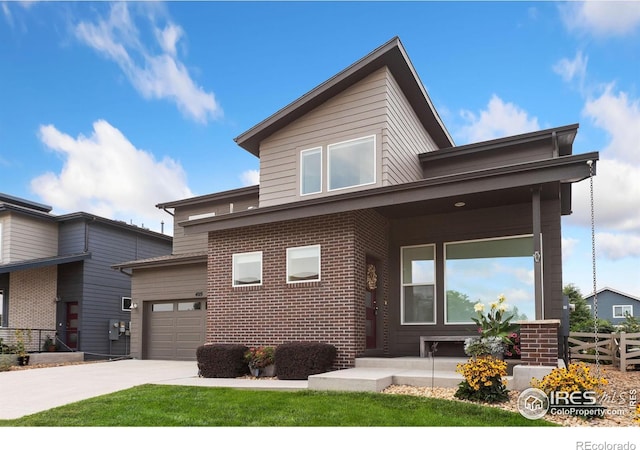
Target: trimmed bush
{"points": [[221, 360], [298, 360]]}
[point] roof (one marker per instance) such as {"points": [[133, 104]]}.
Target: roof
{"points": [[166, 260], [5, 198], [391, 54], [615, 292], [44, 262], [223, 195], [113, 223]]}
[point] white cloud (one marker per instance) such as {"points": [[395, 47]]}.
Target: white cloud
{"points": [[7, 13], [568, 246], [572, 69], [602, 18], [155, 76], [616, 246], [105, 174], [498, 120], [250, 177]]}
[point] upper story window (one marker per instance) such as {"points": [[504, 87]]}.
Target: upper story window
{"points": [[303, 264], [620, 311], [311, 171], [351, 163], [247, 269]]}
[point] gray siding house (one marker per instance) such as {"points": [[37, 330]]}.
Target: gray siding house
{"points": [[613, 305], [370, 229], [56, 276]]}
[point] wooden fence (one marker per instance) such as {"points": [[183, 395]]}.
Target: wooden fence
{"points": [[620, 349]]}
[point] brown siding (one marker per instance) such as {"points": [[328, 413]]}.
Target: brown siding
{"points": [[331, 310], [171, 283], [28, 238], [485, 223], [32, 301], [198, 242], [358, 111], [406, 138]]}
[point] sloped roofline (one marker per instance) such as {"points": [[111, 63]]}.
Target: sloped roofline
{"points": [[391, 54], [224, 195], [614, 291]]}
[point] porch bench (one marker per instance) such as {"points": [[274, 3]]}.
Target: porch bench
{"points": [[429, 340]]}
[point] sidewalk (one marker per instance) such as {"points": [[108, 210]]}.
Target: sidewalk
{"points": [[25, 392]]}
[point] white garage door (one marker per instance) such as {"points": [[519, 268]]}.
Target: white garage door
{"points": [[175, 329]]}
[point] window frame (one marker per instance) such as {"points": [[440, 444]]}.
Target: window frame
{"points": [[434, 284], [233, 269], [371, 137], [624, 307], [303, 153], [288, 264], [122, 303], [444, 268]]}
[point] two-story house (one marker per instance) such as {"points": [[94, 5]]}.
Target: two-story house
{"points": [[614, 305], [56, 277], [368, 230]]}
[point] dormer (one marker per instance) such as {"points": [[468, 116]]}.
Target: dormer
{"points": [[363, 128]]}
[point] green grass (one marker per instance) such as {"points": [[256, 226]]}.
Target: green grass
{"points": [[178, 406]]}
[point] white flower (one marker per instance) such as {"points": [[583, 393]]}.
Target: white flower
{"points": [[494, 305], [478, 307], [501, 298], [503, 307]]}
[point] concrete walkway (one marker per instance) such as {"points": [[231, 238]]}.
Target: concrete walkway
{"points": [[24, 392]]}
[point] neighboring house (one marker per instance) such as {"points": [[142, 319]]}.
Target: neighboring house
{"points": [[369, 228], [613, 305], [56, 276]]}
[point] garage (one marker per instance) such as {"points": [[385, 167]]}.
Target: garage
{"points": [[175, 329]]}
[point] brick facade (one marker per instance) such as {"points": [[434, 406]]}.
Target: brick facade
{"points": [[330, 310], [32, 302], [539, 342]]}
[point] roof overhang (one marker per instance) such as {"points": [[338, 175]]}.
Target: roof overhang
{"points": [[560, 170], [391, 54], [43, 262], [163, 261]]}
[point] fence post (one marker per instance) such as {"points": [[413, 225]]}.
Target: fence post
{"points": [[623, 351]]}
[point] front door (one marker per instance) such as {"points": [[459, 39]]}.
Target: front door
{"points": [[72, 325], [371, 306]]}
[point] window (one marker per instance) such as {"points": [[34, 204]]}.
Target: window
{"points": [[311, 171], [479, 271], [126, 303], [162, 307], [418, 285], [352, 163], [247, 269], [303, 264], [190, 306], [620, 311]]}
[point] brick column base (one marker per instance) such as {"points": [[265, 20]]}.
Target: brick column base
{"points": [[539, 342]]}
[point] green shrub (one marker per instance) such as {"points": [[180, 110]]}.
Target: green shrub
{"points": [[298, 360], [221, 360]]}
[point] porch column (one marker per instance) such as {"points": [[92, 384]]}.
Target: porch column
{"points": [[537, 252]]}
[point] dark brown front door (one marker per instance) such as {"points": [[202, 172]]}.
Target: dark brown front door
{"points": [[72, 325], [371, 306]]}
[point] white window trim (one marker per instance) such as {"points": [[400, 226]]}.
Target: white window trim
{"points": [[375, 163], [310, 150], [435, 287], [444, 263], [319, 264], [624, 307], [122, 299], [233, 269]]}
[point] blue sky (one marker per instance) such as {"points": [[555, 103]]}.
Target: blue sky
{"points": [[111, 108]]}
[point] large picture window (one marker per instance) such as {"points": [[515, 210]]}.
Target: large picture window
{"points": [[480, 271], [303, 264], [247, 269], [352, 163], [311, 171], [418, 285]]}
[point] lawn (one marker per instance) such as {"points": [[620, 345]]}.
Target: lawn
{"points": [[179, 406]]}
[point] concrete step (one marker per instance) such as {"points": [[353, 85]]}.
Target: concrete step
{"points": [[358, 379], [412, 363]]}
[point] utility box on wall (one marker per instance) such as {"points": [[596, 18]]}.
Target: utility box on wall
{"points": [[116, 327]]}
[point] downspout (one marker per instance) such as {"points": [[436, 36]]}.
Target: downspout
{"points": [[537, 252]]}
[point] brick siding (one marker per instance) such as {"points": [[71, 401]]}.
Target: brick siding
{"points": [[330, 310], [539, 342], [32, 296]]}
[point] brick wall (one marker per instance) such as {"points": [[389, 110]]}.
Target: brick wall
{"points": [[539, 342], [32, 296], [330, 310]]}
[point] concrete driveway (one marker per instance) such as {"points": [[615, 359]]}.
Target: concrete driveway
{"points": [[24, 392]]}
